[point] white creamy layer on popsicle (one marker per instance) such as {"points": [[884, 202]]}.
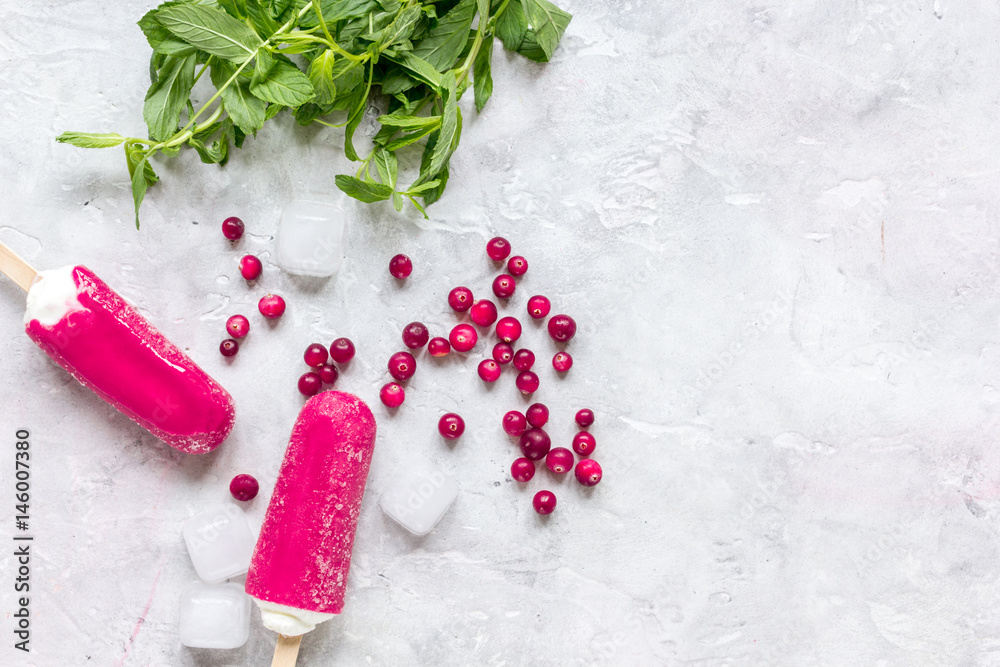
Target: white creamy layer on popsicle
{"points": [[53, 294], [289, 621]]}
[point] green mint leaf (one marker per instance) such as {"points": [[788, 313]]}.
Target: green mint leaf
{"points": [[387, 166], [307, 113], [235, 8], [405, 122], [400, 29], [285, 84], [421, 69], [443, 147], [246, 110], [397, 201], [549, 23], [272, 111], [161, 39], [90, 140], [432, 195], [347, 76], [408, 139], [262, 66], [429, 185], [261, 18], [338, 10], [530, 48], [321, 77], [511, 25], [366, 192], [417, 205], [166, 98], [396, 80], [482, 75], [142, 178], [210, 30], [447, 39], [357, 106]]}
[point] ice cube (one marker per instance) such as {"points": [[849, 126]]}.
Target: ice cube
{"points": [[418, 496], [311, 238], [220, 542], [214, 616]]}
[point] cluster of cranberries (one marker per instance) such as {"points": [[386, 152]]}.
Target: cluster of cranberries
{"points": [[535, 445], [534, 442], [322, 361], [270, 306]]}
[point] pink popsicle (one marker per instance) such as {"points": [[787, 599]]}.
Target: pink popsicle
{"points": [[110, 348], [304, 549]]}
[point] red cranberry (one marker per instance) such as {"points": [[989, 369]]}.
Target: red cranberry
{"points": [[489, 370], [559, 460], [392, 395], [232, 228], [562, 362], [514, 423], [315, 355], [498, 248], [439, 347], [402, 366], [229, 347], [415, 335], [342, 350], [584, 443], [522, 469], [537, 414], [310, 383], [508, 329], [400, 266], [463, 337], [517, 266], [503, 353], [451, 426], [562, 328], [504, 286], [524, 359], [527, 382], [588, 472], [538, 306], [250, 267], [584, 417], [460, 299], [271, 306], [544, 502], [238, 326], [328, 373], [535, 443], [483, 312], [244, 487]]}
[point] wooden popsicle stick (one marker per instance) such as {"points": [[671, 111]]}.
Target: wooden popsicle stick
{"points": [[16, 268], [287, 651]]}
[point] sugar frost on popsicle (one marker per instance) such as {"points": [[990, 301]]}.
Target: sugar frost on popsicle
{"points": [[103, 342], [298, 573]]}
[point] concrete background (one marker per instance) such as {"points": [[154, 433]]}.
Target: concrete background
{"points": [[776, 225]]}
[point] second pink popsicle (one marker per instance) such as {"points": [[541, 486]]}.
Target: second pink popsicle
{"points": [[298, 573]]}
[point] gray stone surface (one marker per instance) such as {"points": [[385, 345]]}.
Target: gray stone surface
{"points": [[776, 225]]}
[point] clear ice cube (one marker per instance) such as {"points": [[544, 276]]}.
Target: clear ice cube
{"points": [[311, 238], [418, 496], [214, 616], [220, 542]]}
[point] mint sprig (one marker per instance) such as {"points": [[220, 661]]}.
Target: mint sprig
{"points": [[420, 54]]}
